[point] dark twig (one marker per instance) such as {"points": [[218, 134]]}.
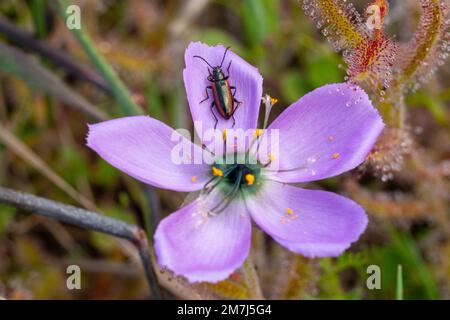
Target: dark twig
{"points": [[19, 64], [87, 220], [155, 214], [59, 58]]}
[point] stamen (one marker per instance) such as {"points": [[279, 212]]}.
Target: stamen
{"points": [[289, 211], [224, 134], [268, 102], [259, 132], [207, 189], [217, 172], [250, 178], [228, 197], [193, 179], [336, 155], [273, 101], [272, 157]]}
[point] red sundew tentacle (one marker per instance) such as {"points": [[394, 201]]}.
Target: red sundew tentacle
{"points": [[429, 46], [369, 54], [339, 22]]}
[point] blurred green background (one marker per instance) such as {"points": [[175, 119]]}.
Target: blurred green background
{"points": [[42, 148]]}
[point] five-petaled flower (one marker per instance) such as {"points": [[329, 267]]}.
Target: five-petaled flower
{"points": [[327, 132]]}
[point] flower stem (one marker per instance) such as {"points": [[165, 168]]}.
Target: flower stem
{"points": [[399, 288], [119, 90], [58, 57], [252, 279], [86, 220], [121, 93]]}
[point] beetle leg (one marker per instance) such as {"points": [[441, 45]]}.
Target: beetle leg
{"points": [[212, 112], [207, 95], [232, 115], [233, 94], [237, 106], [234, 120]]}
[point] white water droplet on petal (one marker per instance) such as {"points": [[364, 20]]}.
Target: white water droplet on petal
{"points": [[311, 160]]}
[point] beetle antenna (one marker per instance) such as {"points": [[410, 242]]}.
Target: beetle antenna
{"points": [[224, 54], [205, 61]]}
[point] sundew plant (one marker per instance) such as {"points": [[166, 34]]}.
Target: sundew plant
{"points": [[255, 149]]}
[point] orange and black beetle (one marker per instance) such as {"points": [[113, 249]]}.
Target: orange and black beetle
{"points": [[224, 100]]}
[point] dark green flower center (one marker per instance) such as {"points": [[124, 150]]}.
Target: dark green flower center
{"points": [[242, 175], [233, 180]]}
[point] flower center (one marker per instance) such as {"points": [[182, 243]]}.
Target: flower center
{"points": [[233, 180], [243, 175]]}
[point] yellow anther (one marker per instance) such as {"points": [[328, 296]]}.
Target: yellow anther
{"points": [[217, 172], [224, 134], [331, 138], [273, 100], [289, 211], [250, 178], [193, 178], [271, 157], [259, 132], [336, 155]]}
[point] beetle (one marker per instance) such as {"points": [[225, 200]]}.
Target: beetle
{"points": [[224, 95]]}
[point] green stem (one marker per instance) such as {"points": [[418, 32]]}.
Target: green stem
{"points": [[399, 289], [38, 13], [121, 93], [252, 279]]}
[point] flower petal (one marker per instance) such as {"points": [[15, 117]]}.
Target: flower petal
{"points": [[202, 247], [142, 147], [311, 222], [325, 133], [243, 76]]}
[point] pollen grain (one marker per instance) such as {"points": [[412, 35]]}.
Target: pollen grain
{"points": [[273, 100], [250, 178], [217, 172], [259, 132], [336, 155]]}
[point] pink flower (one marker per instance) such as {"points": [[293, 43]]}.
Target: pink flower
{"points": [[327, 132]]}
